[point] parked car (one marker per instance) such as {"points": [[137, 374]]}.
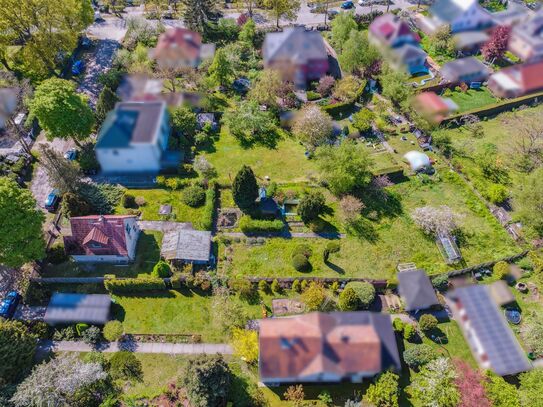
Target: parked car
{"points": [[346, 5], [9, 304], [364, 2], [78, 67], [52, 200], [332, 14], [71, 154]]}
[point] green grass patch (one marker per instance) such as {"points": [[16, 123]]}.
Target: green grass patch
{"points": [[472, 99]]}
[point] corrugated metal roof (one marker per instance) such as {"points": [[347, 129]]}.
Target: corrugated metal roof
{"points": [[188, 245]]}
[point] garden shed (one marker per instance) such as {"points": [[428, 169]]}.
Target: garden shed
{"points": [[68, 308], [187, 246], [416, 290]]}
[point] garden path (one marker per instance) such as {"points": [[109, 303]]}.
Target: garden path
{"points": [[137, 347], [307, 235]]}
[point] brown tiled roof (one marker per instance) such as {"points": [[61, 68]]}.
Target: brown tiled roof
{"points": [[179, 40], [89, 232], [339, 343]]}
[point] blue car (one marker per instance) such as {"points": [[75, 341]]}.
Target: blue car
{"points": [[9, 304], [78, 67], [347, 5], [52, 200]]}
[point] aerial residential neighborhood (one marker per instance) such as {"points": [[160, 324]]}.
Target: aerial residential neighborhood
{"points": [[250, 203]]}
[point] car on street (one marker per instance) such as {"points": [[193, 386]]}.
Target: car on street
{"points": [[346, 5], [9, 304], [52, 200], [71, 154], [332, 14]]}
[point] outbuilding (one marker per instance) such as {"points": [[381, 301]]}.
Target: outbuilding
{"points": [[70, 308]]}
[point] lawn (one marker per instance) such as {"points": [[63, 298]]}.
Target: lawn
{"points": [[147, 254], [390, 239], [284, 163], [159, 196], [472, 99]]}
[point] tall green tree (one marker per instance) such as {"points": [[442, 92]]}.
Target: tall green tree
{"points": [[531, 388], [105, 104], [385, 391], [198, 13], [499, 392], [357, 53], [21, 238], [63, 174], [345, 168], [394, 87], [342, 26], [248, 32], [311, 206], [434, 385], [184, 122], [17, 346], [250, 125], [44, 31], [220, 70], [278, 9], [245, 189], [312, 126], [61, 111], [206, 380]]}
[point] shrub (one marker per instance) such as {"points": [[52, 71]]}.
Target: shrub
{"points": [[427, 322], [242, 286], [314, 296], [302, 250], [128, 201], [441, 282], [398, 325], [130, 285], [365, 292], [311, 206], [264, 286], [296, 286], [194, 196], [501, 270], [418, 355], [348, 300], [497, 193], [333, 246], [334, 287], [313, 95], [57, 254], [326, 83], [161, 270], [140, 201], [301, 263], [303, 285], [250, 225], [113, 331], [206, 219], [125, 365], [92, 335], [276, 288], [409, 332]]}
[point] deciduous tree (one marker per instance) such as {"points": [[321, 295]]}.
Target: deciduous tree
{"points": [[342, 26], [529, 201], [385, 391], [434, 385], [531, 388], [21, 238], [17, 346], [250, 125], [350, 208], [499, 392], [434, 220], [265, 90], [312, 126], [357, 53], [311, 206], [245, 344], [286, 9], [497, 44], [470, 385]]}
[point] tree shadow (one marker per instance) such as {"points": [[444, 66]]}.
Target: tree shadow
{"points": [[436, 335], [363, 229], [381, 204], [268, 139], [334, 267], [118, 312]]}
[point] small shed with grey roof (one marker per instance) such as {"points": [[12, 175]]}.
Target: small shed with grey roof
{"points": [[416, 290], [187, 246], [68, 308]]}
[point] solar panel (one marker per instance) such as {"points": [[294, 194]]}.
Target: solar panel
{"points": [[491, 331]]}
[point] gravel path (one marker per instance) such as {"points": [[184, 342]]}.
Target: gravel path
{"points": [[163, 226]]}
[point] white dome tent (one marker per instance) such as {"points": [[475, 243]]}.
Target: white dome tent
{"points": [[418, 161]]}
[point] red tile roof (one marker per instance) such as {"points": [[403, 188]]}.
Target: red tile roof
{"points": [[431, 102], [97, 235], [531, 76], [179, 40]]}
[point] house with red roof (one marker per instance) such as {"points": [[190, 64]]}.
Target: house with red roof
{"points": [[326, 347], [102, 238], [181, 48], [390, 30], [516, 81], [433, 107]]}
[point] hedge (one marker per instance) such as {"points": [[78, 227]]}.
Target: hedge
{"points": [[250, 225], [129, 285], [206, 220]]}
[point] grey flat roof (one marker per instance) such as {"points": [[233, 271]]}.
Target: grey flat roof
{"points": [[416, 290], [71, 308], [188, 245], [489, 329]]}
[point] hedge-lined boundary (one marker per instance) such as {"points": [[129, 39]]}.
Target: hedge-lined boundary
{"points": [[208, 217], [250, 225], [500, 107]]}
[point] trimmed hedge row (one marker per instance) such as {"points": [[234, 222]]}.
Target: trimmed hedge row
{"points": [[206, 221], [129, 285], [250, 225]]}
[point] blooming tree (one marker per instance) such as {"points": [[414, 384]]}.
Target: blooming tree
{"points": [[312, 126], [497, 45], [434, 386], [434, 220]]}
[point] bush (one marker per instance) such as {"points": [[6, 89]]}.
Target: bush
{"points": [[140, 201], [113, 331], [313, 95], [496, 193], [92, 335], [427, 322], [313, 296], [250, 225], [334, 287], [74, 205], [419, 355], [301, 263], [206, 219], [57, 254], [130, 285], [409, 332], [125, 365], [348, 300], [311, 206], [501, 270], [161, 270], [398, 325], [263, 286], [128, 201], [302, 250], [276, 288], [331, 247], [194, 196], [242, 286], [441, 282], [365, 292], [296, 286]]}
